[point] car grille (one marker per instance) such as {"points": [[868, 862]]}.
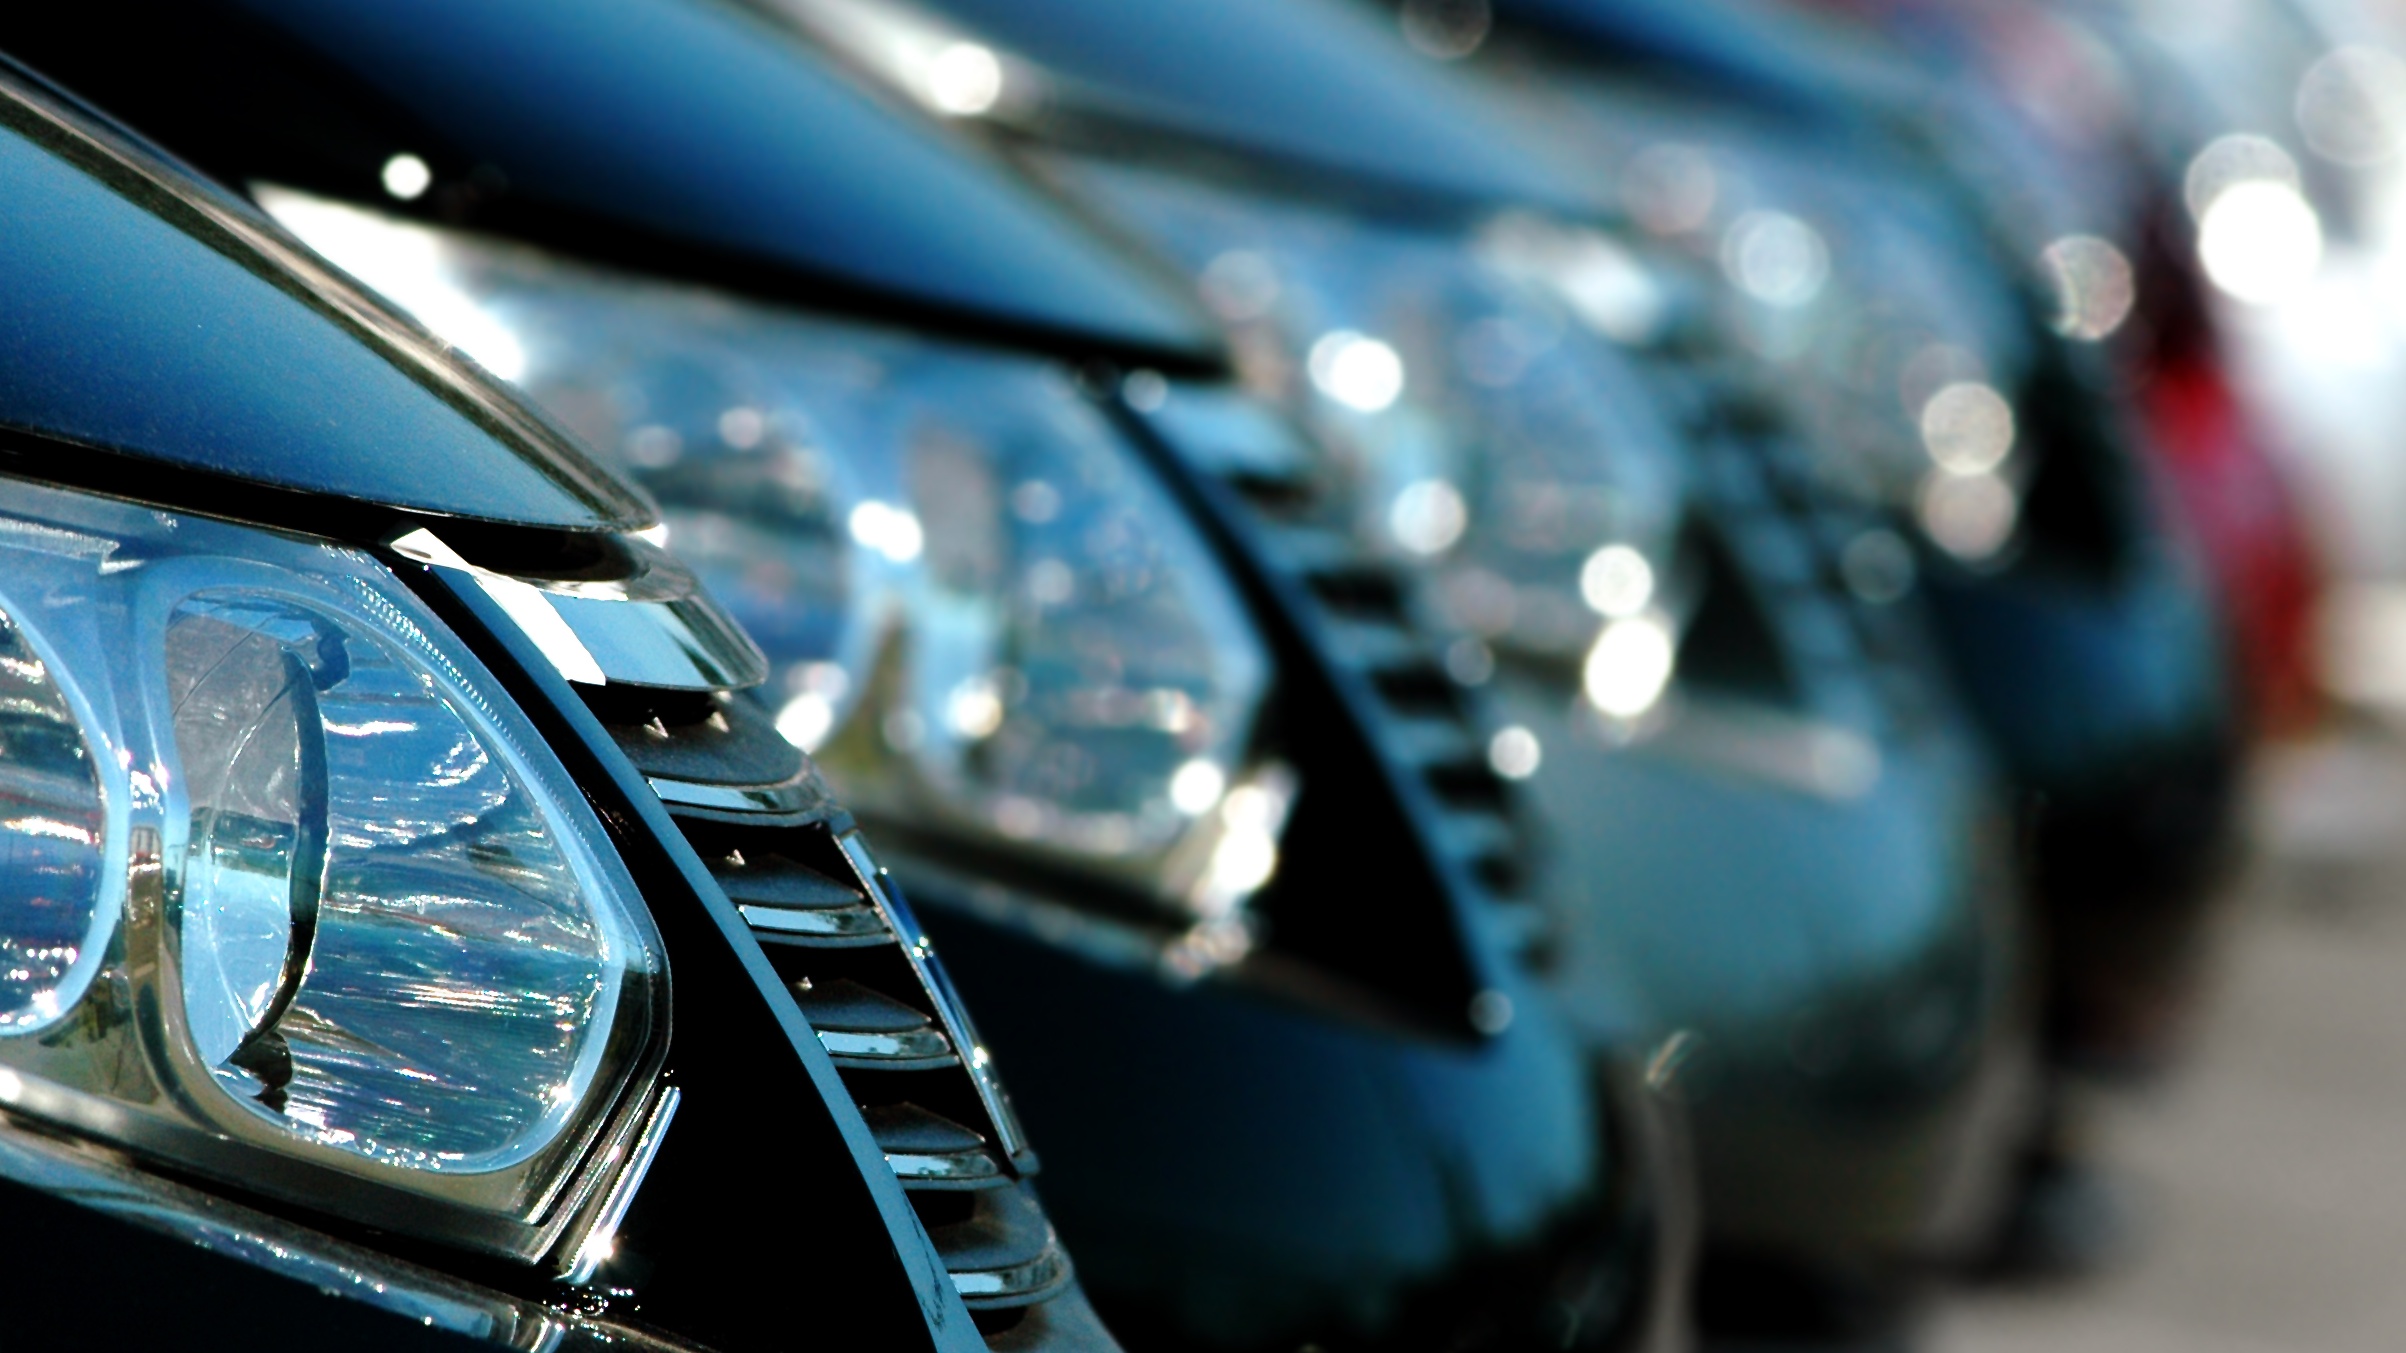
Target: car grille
{"points": [[849, 949], [1366, 619], [1861, 657]]}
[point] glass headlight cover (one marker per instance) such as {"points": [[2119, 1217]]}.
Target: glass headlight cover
{"points": [[1476, 419], [1880, 315], [988, 620], [289, 895]]}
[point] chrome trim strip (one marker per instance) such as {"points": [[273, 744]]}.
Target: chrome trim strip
{"points": [[600, 1237], [951, 1167], [655, 628], [800, 794], [949, 1013], [919, 1045], [104, 1181], [1021, 1283], [837, 922]]}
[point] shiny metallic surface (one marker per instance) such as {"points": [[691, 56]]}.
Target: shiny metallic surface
{"points": [[949, 1010], [957, 1168], [867, 977], [803, 795], [862, 923], [905, 1047], [653, 627], [1031, 1281], [111, 1185], [595, 1244]]}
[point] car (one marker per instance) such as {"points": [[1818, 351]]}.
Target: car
{"points": [[360, 988], [1214, 881], [2079, 616], [1768, 818]]}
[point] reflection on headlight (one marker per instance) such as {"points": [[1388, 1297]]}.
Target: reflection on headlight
{"points": [[891, 531], [2231, 160], [1969, 516], [964, 79], [1428, 517], [1603, 283], [1617, 582], [1967, 428], [1197, 787], [1776, 258], [52, 905], [2094, 287], [2351, 106], [1514, 753], [1475, 414], [2260, 241], [1357, 371], [1245, 831], [1630, 666]]}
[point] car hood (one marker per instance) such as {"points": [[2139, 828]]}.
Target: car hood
{"points": [[169, 343], [1313, 87], [679, 138]]}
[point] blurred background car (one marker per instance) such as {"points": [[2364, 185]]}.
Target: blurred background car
{"points": [[1765, 809], [1207, 838], [345, 948], [1956, 346], [1474, 618], [2076, 609]]}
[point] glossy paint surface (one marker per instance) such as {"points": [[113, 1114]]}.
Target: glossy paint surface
{"points": [[1235, 1171], [168, 325], [689, 137], [1835, 966], [1308, 84]]}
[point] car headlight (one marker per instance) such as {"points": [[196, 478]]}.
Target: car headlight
{"points": [[1910, 357], [1475, 420], [293, 897], [989, 622]]}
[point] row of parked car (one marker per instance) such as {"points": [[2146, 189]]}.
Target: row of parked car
{"points": [[1544, 666]]}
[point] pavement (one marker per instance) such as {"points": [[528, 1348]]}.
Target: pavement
{"points": [[2266, 1176]]}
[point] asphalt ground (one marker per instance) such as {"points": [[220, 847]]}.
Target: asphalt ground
{"points": [[2265, 1177]]}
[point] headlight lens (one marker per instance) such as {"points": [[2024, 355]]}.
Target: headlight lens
{"points": [[1476, 421], [988, 619], [287, 894], [1864, 284]]}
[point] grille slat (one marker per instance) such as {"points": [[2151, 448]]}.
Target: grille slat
{"points": [[865, 978], [1369, 619], [837, 926], [1377, 644], [1435, 743]]}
